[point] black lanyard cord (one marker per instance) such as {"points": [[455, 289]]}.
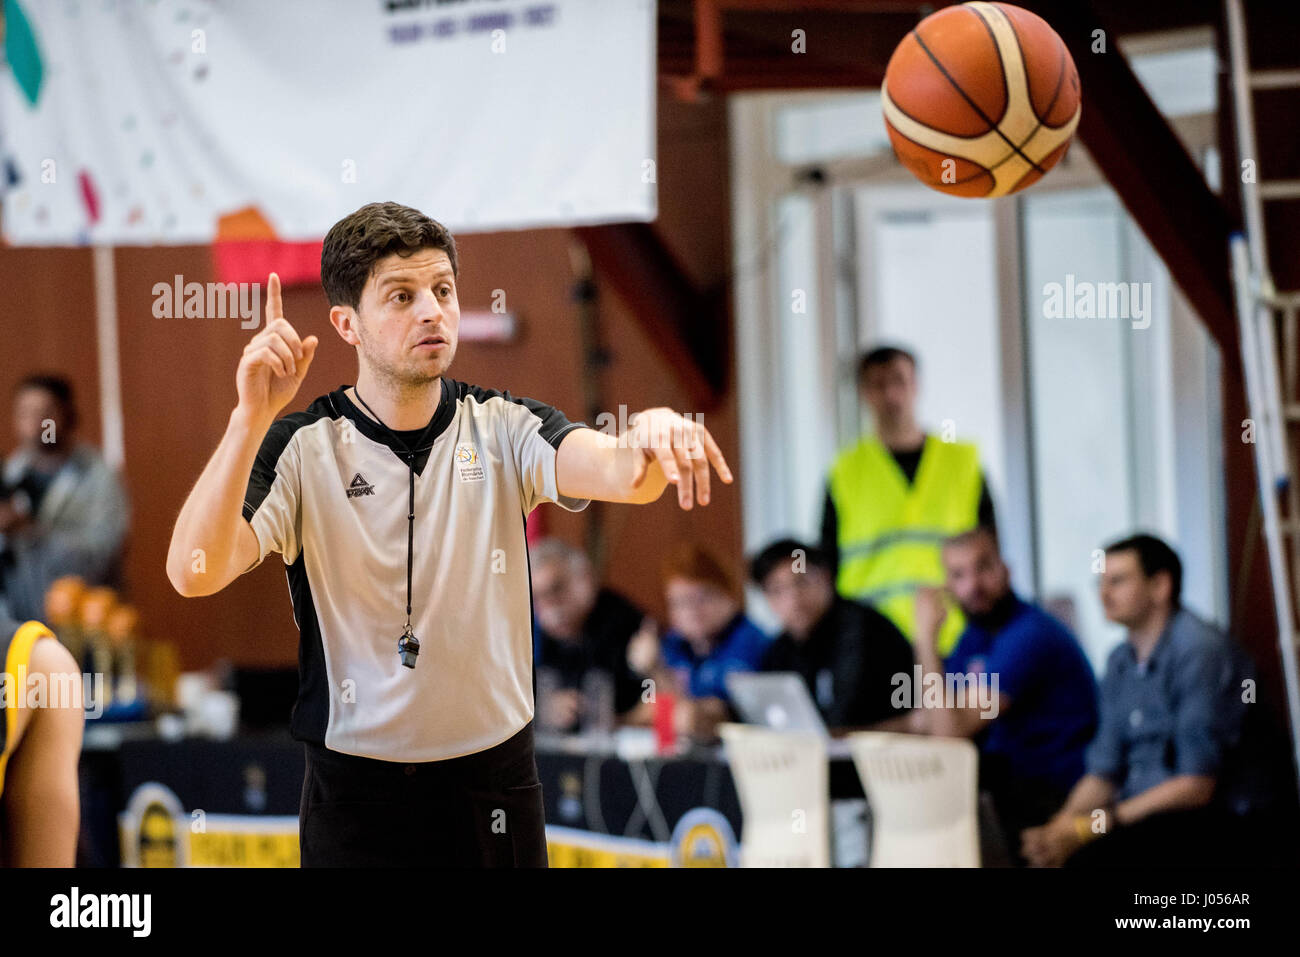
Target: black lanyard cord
{"points": [[410, 537], [408, 646]]}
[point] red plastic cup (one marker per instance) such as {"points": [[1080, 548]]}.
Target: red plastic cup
{"points": [[665, 725]]}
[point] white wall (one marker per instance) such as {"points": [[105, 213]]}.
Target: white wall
{"points": [[1124, 420], [929, 282], [1078, 381], [805, 380]]}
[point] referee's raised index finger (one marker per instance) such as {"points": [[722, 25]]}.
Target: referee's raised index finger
{"points": [[274, 308]]}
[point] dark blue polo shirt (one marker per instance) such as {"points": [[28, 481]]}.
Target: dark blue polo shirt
{"points": [[1179, 712], [738, 647], [1045, 674]]}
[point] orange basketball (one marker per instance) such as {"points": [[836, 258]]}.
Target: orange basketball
{"points": [[981, 99]]}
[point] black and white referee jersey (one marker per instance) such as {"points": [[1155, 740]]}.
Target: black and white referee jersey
{"points": [[329, 492]]}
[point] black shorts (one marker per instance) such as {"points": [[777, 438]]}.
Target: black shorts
{"points": [[480, 810]]}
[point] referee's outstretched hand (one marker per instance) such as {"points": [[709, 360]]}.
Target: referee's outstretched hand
{"points": [[682, 448], [275, 361]]}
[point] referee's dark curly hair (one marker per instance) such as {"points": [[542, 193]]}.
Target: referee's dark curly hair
{"points": [[357, 241]]}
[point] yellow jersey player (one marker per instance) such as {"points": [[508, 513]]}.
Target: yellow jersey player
{"points": [[41, 724]]}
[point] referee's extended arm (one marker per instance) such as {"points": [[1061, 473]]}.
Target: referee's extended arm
{"points": [[212, 544], [660, 447]]}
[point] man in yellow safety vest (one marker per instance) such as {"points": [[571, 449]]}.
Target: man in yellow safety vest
{"points": [[892, 499]]}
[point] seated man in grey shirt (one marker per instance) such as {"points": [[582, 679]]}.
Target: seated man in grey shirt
{"points": [[1164, 781]]}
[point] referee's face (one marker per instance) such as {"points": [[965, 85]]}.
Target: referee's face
{"points": [[409, 317]]}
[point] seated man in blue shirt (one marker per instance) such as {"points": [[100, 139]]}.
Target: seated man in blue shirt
{"points": [[1032, 738], [1160, 787]]}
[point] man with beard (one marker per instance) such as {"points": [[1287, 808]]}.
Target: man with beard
{"points": [[1044, 707]]}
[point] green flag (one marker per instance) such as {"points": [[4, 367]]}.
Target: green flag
{"points": [[21, 52]]}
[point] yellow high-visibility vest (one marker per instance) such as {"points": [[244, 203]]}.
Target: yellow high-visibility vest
{"points": [[890, 532]]}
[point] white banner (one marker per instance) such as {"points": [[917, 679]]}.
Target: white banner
{"points": [[138, 122]]}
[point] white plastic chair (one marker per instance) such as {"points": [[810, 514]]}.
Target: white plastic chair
{"points": [[923, 794], [782, 779]]}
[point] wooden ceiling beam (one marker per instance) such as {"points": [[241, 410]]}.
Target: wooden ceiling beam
{"points": [[686, 326]]}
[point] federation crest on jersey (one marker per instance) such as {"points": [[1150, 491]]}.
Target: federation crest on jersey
{"points": [[468, 465]]}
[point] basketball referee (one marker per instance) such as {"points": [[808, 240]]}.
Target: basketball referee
{"points": [[398, 507]]}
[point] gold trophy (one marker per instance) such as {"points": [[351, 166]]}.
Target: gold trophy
{"points": [[96, 605], [121, 626], [62, 614]]}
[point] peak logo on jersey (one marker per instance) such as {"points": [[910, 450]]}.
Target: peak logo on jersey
{"points": [[360, 487], [467, 463]]}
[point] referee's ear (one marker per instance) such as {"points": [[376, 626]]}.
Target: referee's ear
{"points": [[344, 319]]}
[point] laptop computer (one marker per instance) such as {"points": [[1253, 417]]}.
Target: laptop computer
{"points": [[778, 700]]}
